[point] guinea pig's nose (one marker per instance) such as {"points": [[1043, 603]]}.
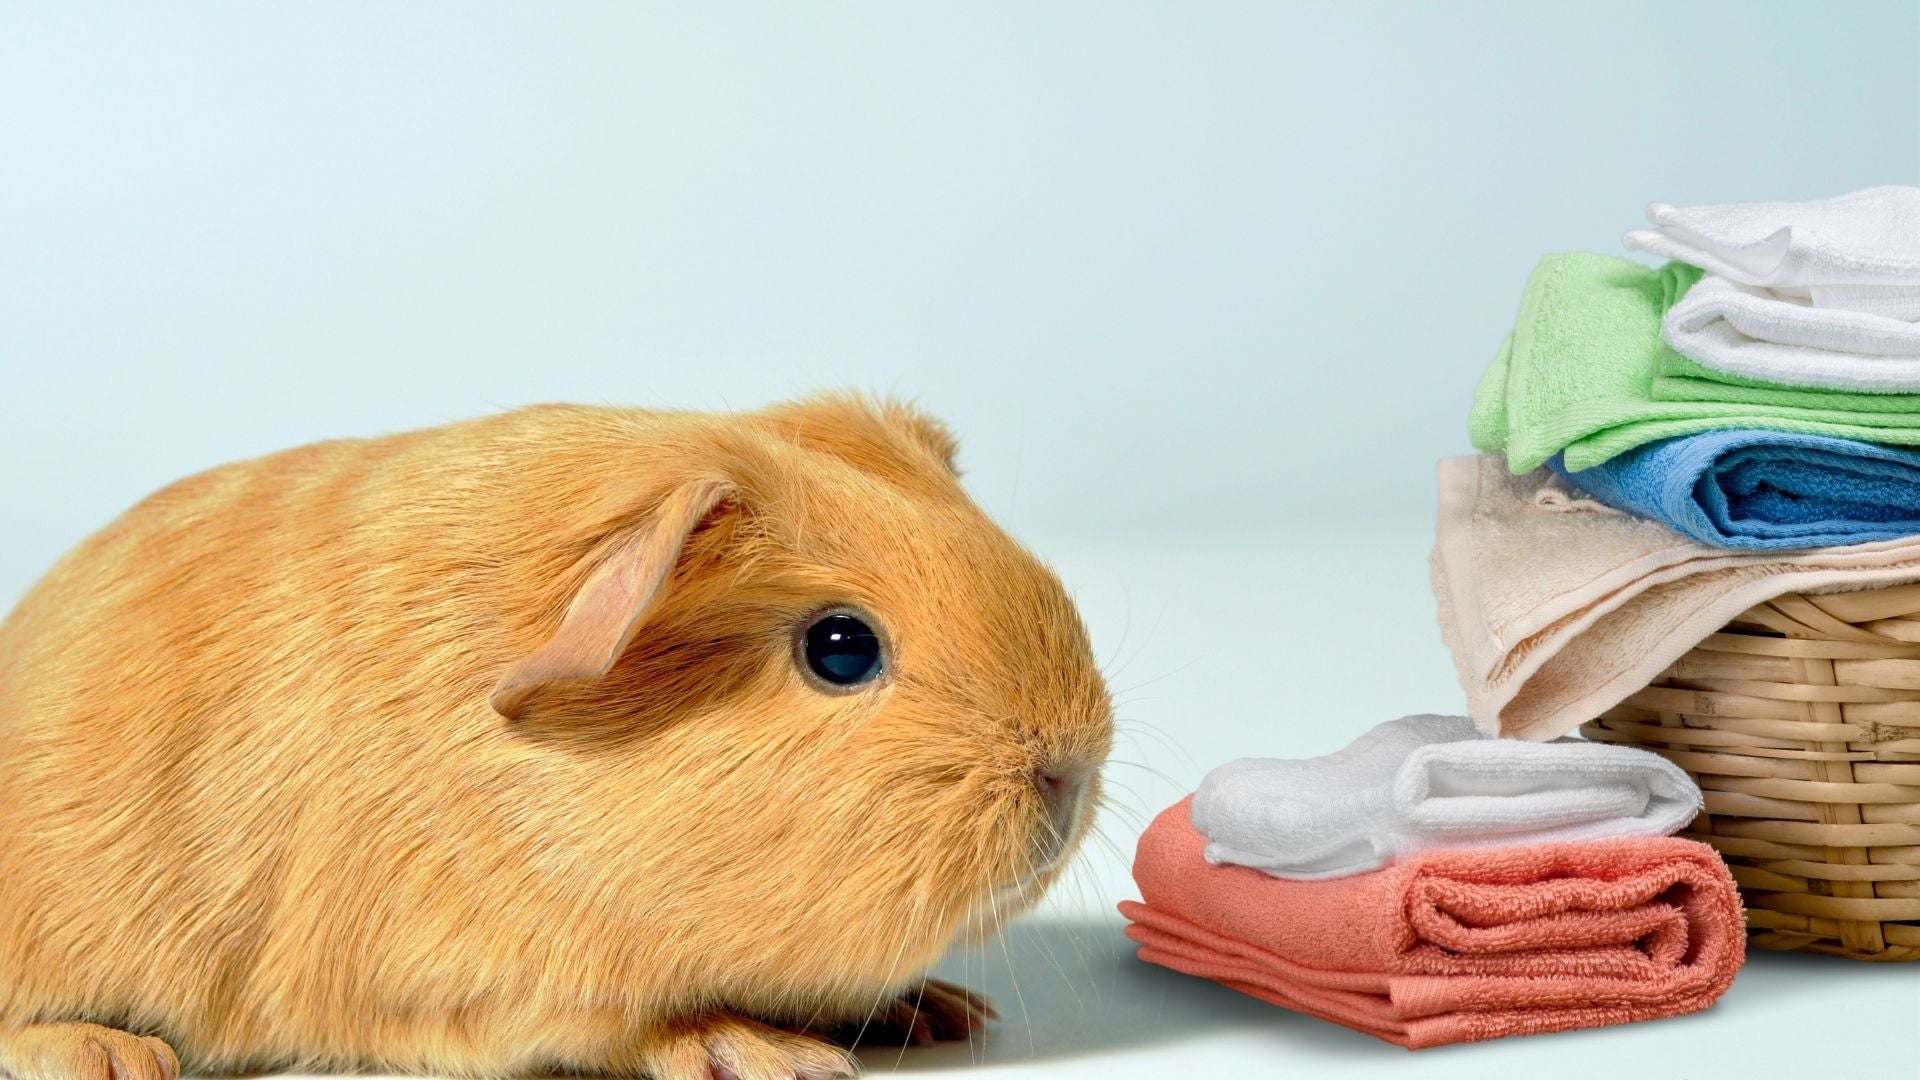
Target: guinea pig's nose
{"points": [[1060, 790], [1053, 785]]}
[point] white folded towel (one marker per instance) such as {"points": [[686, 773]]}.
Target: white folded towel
{"points": [[1425, 782], [1753, 333], [1867, 241]]}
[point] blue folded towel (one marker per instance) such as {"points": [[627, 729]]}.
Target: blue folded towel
{"points": [[1763, 490]]}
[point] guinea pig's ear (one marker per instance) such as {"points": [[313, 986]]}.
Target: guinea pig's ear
{"points": [[928, 431], [607, 611], [869, 433]]}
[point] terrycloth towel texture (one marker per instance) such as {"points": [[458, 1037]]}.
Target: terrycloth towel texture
{"points": [[1452, 946], [1756, 334], [1681, 379], [1424, 782], [1575, 377], [1867, 238], [1763, 490], [1556, 608]]}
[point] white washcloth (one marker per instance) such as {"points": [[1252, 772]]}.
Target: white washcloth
{"points": [[1754, 333], [1868, 241], [1424, 782]]}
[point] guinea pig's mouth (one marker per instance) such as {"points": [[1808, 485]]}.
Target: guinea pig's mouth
{"points": [[1012, 897], [1002, 901], [1052, 836], [1028, 886], [1052, 845]]}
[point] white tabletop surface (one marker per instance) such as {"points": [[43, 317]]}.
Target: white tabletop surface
{"points": [[1292, 646]]}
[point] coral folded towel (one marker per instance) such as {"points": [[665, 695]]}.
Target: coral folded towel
{"points": [[1424, 782], [1453, 945], [1764, 490]]}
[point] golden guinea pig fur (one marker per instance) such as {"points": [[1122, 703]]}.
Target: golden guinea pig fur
{"points": [[492, 749]]}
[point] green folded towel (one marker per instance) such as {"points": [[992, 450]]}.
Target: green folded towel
{"points": [[1680, 379], [1577, 375]]}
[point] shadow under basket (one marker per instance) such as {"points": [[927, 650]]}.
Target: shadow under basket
{"points": [[1801, 722]]}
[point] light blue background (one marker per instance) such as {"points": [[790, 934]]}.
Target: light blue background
{"points": [[1205, 287], [1182, 266]]}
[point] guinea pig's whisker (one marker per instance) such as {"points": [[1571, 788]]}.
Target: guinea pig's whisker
{"points": [[906, 1037], [1131, 727], [1073, 985], [881, 999], [966, 977], [1111, 786], [1130, 814], [1013, 974], [1110, 844], [814, 1018], [1046, 948], [1151, 770], [1100, 832], [1126, 627], [1126, 816], [1109, 671], [1125, 723], [1125, 690], [1127, 812]]}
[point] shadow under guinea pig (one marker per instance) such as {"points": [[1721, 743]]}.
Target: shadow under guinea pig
{"points": [[1071, 987]]}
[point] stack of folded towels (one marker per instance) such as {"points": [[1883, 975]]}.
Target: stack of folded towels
{"points": [[1750, 409], [1428, 885], [1662, 448]]}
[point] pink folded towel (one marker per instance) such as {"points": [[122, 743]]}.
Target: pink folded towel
{"points": [[1453, 945]]}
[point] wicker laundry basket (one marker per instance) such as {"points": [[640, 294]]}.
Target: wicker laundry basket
{"points": [[1801, 721]]}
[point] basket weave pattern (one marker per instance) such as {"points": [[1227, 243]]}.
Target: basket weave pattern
{"points": [[1801, 722]]}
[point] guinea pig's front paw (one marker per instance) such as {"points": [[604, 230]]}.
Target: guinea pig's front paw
{"points": [[718, 1046], [75, 1051], [934, 1011]]}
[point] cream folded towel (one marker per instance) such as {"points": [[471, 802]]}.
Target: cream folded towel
{"points": [[1859, 252], [1556, 608], [1424, 782], [1753, 333]]}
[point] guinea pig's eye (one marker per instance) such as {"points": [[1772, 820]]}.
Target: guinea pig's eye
{"points": [[841, 650]]}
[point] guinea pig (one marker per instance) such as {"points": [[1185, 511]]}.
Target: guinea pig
{"points": [[584, 739]]}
